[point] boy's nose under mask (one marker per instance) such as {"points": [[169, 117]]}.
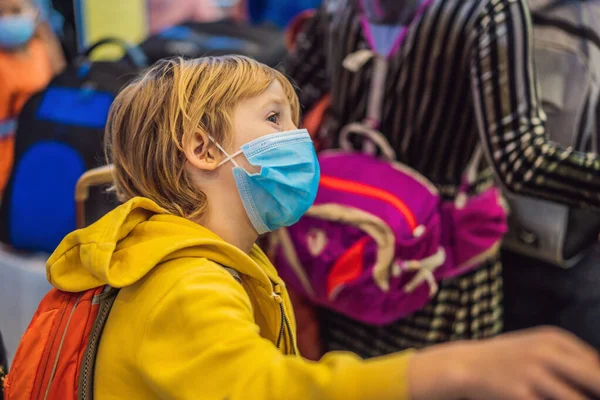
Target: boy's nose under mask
{"points": [[287, 184]]}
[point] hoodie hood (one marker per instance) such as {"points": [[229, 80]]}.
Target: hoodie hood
{"points": [[127, 243]]}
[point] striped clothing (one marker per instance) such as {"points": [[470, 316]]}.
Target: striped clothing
{"points": [[464, 75]]}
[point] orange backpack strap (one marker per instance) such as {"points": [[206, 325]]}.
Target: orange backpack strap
{"points": [[88, 362], [55, 359], [57, 354]]}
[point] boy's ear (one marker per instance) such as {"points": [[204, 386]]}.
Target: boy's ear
{"points": [[201, 152]]}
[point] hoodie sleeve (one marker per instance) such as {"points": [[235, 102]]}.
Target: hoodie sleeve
{"points": [[201, 341]]}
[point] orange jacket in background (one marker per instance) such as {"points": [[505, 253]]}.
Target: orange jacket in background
{"points": [[22, 74]]}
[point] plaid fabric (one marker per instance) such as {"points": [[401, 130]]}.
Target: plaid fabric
{"points": [[466, 307]]}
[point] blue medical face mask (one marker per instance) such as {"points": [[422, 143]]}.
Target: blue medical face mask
{"points": [[286, 186], [16, 30]]}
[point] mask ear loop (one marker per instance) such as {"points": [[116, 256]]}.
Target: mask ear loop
{"points": [[229, 157]]}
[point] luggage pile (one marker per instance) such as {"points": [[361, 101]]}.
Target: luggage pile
{"points": [[60, 131]]}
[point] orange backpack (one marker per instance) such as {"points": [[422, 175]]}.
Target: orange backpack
{"points": [[56, 356]]}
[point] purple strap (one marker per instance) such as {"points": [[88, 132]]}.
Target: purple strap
{"points": [[401, 35]]}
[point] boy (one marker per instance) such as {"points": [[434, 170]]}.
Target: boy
{"points": [[207, 157]]}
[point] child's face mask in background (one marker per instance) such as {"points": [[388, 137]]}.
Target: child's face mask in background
{"points": [[17, 24]]}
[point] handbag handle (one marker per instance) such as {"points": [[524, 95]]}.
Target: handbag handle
{"points": [[133, 54], [373, 136], [93, 177]]}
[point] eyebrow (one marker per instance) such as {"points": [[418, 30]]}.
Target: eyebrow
{"points": [[275, 100]]}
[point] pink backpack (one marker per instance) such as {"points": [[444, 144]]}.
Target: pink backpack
{"points": [[379, 238]]}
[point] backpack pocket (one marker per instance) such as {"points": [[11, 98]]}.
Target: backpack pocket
{"points": [[345, 259], [31, 360]]}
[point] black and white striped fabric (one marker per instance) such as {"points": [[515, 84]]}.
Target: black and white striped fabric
{"points": [[469, 307], [464, 75]]}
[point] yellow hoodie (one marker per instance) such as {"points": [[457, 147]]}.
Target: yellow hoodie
{"points": [[182, 326]]}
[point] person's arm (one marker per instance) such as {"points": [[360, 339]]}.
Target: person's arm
{"points": [[510, 116], [201, 341], [306, 65]]}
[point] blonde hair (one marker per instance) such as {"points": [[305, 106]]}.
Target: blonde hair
{"points": [[150, 118]]}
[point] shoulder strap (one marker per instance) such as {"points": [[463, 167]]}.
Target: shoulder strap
{"points": [[469, 176], [105, 300], [473, 166], [234, 273], [370, 125], [377, 91]]}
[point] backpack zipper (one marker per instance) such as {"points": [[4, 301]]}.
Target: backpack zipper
{"points": [[362, 189], [89, 358]]}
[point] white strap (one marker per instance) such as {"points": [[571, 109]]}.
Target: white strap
{"points": [[229, 157], [377, 91], [470, 177], [473, 166], [355, 61], [426, 269], [375, 137]]}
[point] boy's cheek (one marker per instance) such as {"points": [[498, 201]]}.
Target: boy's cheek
{"points": [[252, 169]]}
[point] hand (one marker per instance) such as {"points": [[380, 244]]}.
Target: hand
{"points": [[539, 364]]}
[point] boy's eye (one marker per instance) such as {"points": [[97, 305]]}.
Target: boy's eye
{"points": [[274, 118]]}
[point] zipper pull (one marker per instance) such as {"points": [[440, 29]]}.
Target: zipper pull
{"points": [[277, 298], [277, 294]]}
